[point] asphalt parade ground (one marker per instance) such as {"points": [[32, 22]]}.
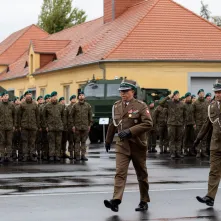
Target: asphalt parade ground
{"points": [[75, 191]]}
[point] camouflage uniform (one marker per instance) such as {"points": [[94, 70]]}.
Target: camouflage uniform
{"points": [[71, 138], [29, 122], [54, 116], [64, 133], [160, 120], [175, 122], [7, 123], [82, 119], [189, 132], [16, 142], [152, 139], [200, 109], [39, 133]]}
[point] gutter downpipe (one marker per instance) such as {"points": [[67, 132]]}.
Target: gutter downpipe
{"points": [[102, 67]]}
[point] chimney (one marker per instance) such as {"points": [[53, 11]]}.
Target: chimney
{"points": [[115, 8]]}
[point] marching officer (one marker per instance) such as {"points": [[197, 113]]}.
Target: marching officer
{"points": [[213, 122], [81, 121], [28, 123], [132, 121], [71, 138], [7, 127], [175, 122], [54, 116], [200, 107]]}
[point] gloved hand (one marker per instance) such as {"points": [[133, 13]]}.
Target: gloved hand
{"points": [[125, 134], [196, 143], [107, 146]]}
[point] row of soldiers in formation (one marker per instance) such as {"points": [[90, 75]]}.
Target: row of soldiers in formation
{"points": [[40, 129], [178, 121]]}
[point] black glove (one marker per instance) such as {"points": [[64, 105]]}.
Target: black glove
{"points": [[125, 134], [196, 143], [107, 146]]}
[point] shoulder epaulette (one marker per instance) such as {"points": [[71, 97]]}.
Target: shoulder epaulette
{"points": [[117, 102], [139, 101]]}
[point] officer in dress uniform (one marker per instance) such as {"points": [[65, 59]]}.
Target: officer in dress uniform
{"points": [[132, 121]]}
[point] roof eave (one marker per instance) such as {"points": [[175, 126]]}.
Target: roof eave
{"points": [[8, 79]]}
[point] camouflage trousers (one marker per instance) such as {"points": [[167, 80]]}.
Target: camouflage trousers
{"points": [[152, 140], [64, 141], [6, 142], [203, 144], [42, 142], [71, 141], [163, 137], [28, 138], [175, 138], [16, 143], [80, 145], [54, 139], [188, 139]]}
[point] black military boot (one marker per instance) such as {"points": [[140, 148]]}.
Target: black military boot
{"points": [[25, 159], [142, 207], [154, 150], [51, 159], [71, 155], [2, 159], [83, 158], [112, 204], [179, 155], [206, 199], [172, 156], [198, 155], [57, 159], [161, 150], [204, 154], [33, 159], [8, 159]]}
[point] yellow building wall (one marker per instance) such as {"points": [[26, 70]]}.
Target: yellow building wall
{"points": [[169, 75], [34, 61], [173, 76], [2, 68]]}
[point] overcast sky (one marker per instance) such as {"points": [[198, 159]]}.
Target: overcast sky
{"points": [[17, 14]]}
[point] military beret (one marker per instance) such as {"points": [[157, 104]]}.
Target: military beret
{"points": [[176, 92], [0, 94], [4, 93], [162, 98], [47, 96], [81, 92], [201, 90], [182, 98], [54, 93], [40, 97], [193, 96], [21, 97], [16, 98], [187, 94], [27, 92], [61, 99], [208, 95], [72, 97]]}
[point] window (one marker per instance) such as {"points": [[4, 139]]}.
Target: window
{"points": [[112, 90], [66, 93], [94, 90], [21, 93], [42, 92]]}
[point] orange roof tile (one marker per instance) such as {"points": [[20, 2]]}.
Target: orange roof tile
{"points": [[16, 44], [49, 46]]}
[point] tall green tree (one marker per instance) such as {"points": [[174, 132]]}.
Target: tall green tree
{"points": [[57, 15], [205, 12]]}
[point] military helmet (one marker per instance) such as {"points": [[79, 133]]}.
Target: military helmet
{"points": [[217, 85]]}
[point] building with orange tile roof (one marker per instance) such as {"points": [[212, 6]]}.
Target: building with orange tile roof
{"points": [[159, 43]]}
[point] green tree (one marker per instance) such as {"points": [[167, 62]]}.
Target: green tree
{"points": [[57, 15], [217, 20], [205, 12]]}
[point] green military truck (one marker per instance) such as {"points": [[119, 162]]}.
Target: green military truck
{"points": [[101, 95]]}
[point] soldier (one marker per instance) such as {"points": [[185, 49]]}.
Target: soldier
{"points": [[182, 99], [45, 147], [0, 97], [16, 144], [175, 122], [82, 120], [209, 97], [54, 116], [7, 126], [65, 131], [22, 98], [38, 143], [193, 97], [213, 122], [132, 121], [152, 134], [71, 138], [189, 133], [160, 118], [28, 123], [200, 107]]}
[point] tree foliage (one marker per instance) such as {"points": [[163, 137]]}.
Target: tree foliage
{"points": [[57, 15], [205, 12]]}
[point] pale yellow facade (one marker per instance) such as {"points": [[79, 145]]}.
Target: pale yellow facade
{"points": [[2, 68], [170, 75]]}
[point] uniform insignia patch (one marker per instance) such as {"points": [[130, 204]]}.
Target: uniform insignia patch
{"points": [[135, 111], [130, 111]]}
